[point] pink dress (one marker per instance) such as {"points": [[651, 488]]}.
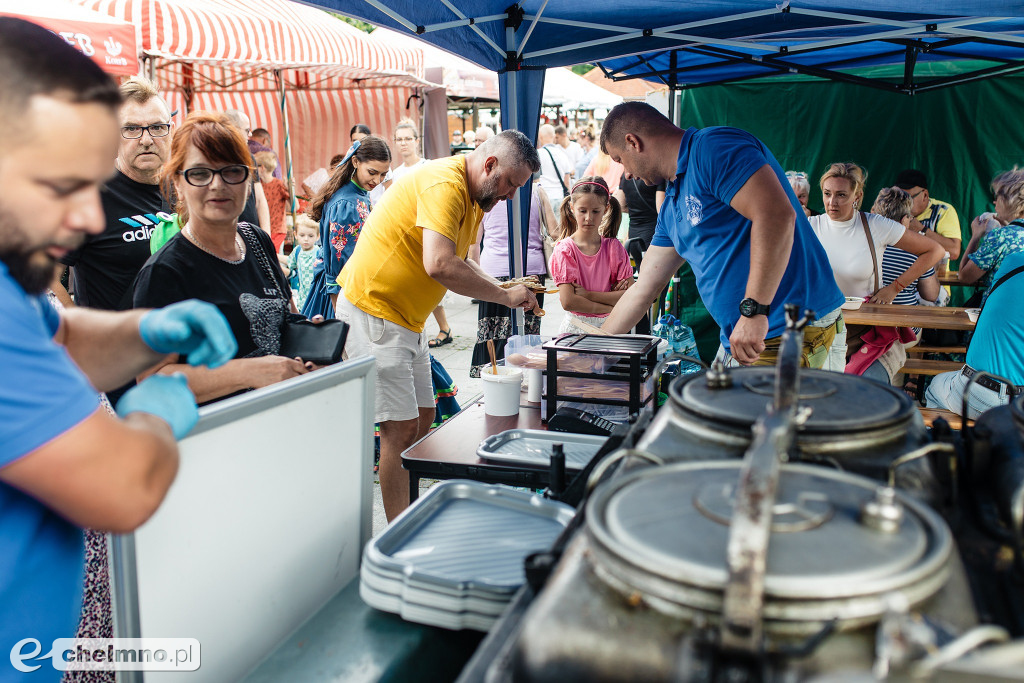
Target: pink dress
{"points": [[597, 273]]}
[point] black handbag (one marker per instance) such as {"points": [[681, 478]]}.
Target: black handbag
{"points": [[320, 343]]}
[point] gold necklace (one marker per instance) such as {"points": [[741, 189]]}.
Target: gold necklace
{"points": [[238, 243]]}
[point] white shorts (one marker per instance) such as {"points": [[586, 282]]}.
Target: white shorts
{"points": [[403, 362]]}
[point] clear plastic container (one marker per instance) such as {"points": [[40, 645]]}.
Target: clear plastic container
{"points": [[598, 388], [526, 351]]}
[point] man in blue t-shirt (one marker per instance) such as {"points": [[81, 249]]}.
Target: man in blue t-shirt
{"points": [[65, 461], [730, 212]]}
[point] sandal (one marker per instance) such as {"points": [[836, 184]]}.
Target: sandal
{"points": [[439, 340]]}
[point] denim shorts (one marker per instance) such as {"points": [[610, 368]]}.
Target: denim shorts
{"points": [[946, 391]]}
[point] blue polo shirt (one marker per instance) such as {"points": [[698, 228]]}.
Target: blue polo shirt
{"points": [[997, 342], [696, 219], [42, 395]]}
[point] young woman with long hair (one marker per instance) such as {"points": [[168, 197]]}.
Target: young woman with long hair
{"points": [[341, 207]]}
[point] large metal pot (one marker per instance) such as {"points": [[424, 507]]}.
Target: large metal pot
{"points": [[639, 594], [850, 422]]}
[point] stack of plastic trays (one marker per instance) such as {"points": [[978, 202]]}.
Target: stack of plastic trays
{"points": [[454, 559]]}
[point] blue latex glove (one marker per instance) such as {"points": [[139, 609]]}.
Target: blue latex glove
{"points": [[165, 396], [193, 328]]}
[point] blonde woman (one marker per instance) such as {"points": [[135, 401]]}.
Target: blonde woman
{"points": [[855, 243]]}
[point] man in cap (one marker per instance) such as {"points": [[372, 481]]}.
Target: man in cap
{"points": [[934, 219]]}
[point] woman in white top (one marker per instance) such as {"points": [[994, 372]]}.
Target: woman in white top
{"points": [[843, 235]]}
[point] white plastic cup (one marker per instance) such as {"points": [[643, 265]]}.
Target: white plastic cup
{"points": [[501, 391], [534, 380]]}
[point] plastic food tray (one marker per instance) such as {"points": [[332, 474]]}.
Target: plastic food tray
{"points": [[533, 447], [425, 615], [428, 598], [467, 537]]}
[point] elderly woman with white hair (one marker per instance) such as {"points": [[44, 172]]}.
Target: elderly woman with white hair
{"points": [[895, 204], [802, 187]]}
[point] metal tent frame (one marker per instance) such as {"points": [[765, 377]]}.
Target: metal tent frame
{"points": [[700, 42]]}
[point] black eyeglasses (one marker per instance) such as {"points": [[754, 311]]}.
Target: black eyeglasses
{"points": [[157, 130], [916, 194], [200, 176]]}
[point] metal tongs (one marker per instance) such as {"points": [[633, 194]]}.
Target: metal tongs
{"points": [[747, 553]]}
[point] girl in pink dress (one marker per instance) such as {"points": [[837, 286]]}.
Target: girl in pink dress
{"points": [[589, 265]]}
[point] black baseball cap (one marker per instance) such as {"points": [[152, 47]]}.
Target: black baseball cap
{"points": [[911, 177]]}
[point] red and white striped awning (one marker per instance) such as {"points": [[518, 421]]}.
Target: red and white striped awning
{"points": [[262, 34], [223, 54]]}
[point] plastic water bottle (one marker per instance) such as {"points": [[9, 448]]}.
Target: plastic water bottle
{"points": [[663, 328], [684, 343], [682, 339]]}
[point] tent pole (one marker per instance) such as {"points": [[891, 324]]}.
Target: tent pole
{"points": [[279, 75], [516, 245]]}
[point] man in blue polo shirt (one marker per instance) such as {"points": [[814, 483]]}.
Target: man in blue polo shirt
{"points": [[65, 461], [730, 212]]}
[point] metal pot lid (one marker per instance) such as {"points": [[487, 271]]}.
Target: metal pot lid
{"points": [[672, 522], [839, 402]]}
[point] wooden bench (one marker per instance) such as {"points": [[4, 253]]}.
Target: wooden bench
{"points": [[921, 348], [921, 366], [954, 420]]}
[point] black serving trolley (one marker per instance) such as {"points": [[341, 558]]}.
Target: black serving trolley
{"points": [[636, 358]]}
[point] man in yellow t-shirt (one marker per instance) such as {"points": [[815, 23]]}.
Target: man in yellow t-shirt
{"points": [[412, 249], [934, 219]]}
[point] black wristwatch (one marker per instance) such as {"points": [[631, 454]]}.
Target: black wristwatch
{"points": [[749, 308]]}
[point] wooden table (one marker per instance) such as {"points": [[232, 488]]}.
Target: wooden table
{"points": [[952, 279], [927, 317], [449, 452]]}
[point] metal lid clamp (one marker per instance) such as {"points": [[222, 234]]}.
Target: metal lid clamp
{"points": [[747, 550]]}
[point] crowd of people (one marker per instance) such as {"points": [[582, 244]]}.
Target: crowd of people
{"points": [[163, 325]]}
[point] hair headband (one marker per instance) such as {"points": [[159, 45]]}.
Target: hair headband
{"points": [[589, 182], [351, 151]]}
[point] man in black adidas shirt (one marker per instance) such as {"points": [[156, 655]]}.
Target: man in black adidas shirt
{"points": [[106, 264]]}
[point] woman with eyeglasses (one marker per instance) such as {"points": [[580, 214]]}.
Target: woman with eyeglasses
{"points": [[994, 235], [217, 259]]}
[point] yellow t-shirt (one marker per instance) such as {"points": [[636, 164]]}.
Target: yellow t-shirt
{"points": [[385, 276], [941, 217]]}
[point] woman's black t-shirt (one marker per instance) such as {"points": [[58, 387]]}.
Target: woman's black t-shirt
{"points": [[244, 292]]}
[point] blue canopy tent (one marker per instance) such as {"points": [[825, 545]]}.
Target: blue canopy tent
{"points": [[704, 41]]}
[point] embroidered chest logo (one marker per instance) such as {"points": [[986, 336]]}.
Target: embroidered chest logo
{"points": [[694, 210]]}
